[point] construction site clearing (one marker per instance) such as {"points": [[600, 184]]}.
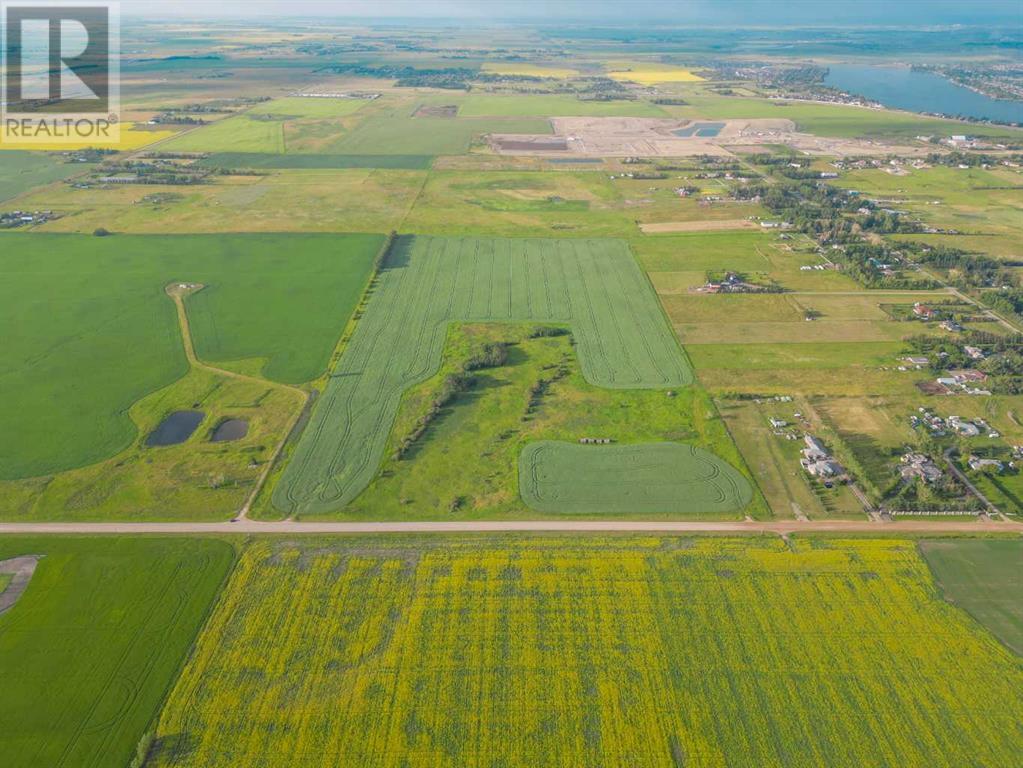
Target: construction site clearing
{"points": [[660, 137]]}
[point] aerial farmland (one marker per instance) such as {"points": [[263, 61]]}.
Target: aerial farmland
{"points": [[642, 388]]}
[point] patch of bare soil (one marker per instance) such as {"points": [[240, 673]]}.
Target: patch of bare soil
{"points": [[445, 110], [708, 225], [21, 569]]}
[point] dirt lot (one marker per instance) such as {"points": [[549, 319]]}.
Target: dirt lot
{"points": [[696, 226], [21, 569], [427, 110], [659, 137]]}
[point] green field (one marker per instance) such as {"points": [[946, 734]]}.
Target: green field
{"points": [[310, 107], [543, 105], [557, 477], [464, 466], [741, 251], [89, 651], [194, 480], [240, 133], [233, 160], [21, 171], [397, 132], [593, 285], [89, 329], [298, 200], [807, 355], [648, 652], [519, 204], [984, 577]]}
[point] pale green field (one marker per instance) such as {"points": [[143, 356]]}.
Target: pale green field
{"points": [[464, 466], [593, 285], [299, 107], [343, 200], [485, 105], [240, 133], [517, 204], [559, 477]]}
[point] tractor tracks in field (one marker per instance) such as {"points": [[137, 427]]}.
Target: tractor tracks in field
{"points": [[177, 291]]}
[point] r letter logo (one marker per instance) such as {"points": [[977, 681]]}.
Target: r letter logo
{"points": [[60, 74]]}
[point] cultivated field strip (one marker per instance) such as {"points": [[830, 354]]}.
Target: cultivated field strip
{"points": [[594, 286], [645, 652], [558, 477]]}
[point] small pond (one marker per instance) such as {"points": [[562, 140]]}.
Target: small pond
{"points": [[230, 429], [700, 130], [176, 428]]}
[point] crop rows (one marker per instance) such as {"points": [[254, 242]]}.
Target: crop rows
{"points": [[594, 286], [653, 477], [94, 643], [610, 652]]}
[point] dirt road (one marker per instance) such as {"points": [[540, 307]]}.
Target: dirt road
{"points": [[290, 527]]}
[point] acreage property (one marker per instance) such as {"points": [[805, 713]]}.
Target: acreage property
{"points": [[90, 649], [653, 477], [426, 283], [89, 330], [556, 651]]}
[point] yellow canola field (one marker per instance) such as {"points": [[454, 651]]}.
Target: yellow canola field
{"points": [[646, 652], [652, 76], [130, 139], [528, 70]]}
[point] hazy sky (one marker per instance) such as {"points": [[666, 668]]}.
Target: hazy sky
{"points": [[676, 12]]}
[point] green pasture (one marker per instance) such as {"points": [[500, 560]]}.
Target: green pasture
{"points": [[89, 329], [543, 105], [240, 133], [806, 355], [21, 171], [91, 648], [594, 286], [559, 477], [984, 577], [465, 465], [306, 107], [291, 200], [740, 251], [397, 132], [314, 162], [519, 203], [197, 479]]}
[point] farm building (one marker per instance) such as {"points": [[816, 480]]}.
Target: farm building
{"points": [[920, 465], [977, 463], [814, 447], [923, 312]]}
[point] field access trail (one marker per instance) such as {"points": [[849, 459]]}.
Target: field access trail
{"points": [[177, 292], [425, 284], [748, 527]]}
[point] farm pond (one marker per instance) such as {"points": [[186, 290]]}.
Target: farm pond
{"points": [[176, 428], [230, 429]]}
